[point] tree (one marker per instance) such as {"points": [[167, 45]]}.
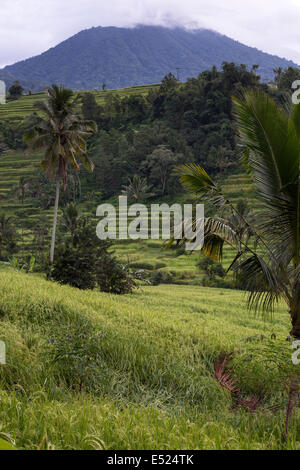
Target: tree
{"points": [[269, 268], [70, 217], [21, 189], [160, 164], [285, 78], [16, 90], [7, 234], [137, 189], [62, 133], [169, 83], [90, 109], [85, 262]]}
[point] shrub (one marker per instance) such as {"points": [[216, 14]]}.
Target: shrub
{"points": [[160, 265], [211, 268], [113, 276], [142, 265], [83, 261], [160, 277]]}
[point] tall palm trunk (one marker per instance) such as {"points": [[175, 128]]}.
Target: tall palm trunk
{"points": [[295, 314], [54, 221]]}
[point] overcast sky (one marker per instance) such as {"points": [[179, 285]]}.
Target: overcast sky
{"points": [[29, 27]]}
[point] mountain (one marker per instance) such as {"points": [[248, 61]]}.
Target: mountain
{"points": [[122, 57], [27, 84]]}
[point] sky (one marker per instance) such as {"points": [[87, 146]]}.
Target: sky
{"points": [[29, 27]]}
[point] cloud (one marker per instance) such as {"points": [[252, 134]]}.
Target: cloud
{"points": [[31, 27]]}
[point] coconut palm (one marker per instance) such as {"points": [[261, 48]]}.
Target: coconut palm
{"points": [[21, 189], [7, 232], [70, 217], [137, 189], [62, 133], [269, 266]]}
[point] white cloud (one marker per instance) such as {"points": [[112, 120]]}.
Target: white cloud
{"points": [[29, 27]]}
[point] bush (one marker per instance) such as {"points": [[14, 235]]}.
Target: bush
{"points": [[160, 265], [160, 277], [211, 268], [142, 265], [113, 276], [83, 261], [218, 283]]}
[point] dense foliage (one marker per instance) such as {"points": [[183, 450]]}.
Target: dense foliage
{"points": [[177, 123], [83, 261], [120, 57]]}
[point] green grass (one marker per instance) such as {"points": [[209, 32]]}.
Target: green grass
{"points": [[19, 109], [157, 389], [15, 164]]}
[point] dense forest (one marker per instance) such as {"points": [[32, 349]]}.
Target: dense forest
{"points": [[146, 137], [140, 140], [177, 123], [123, 57]]}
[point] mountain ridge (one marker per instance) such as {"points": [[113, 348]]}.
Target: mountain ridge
{"points": [[122, 57]]}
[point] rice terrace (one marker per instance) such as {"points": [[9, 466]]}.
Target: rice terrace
{"points": [[113, 336]]}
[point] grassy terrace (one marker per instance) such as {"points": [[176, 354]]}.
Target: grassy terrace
{"points": [[13, 165], [19, 109], [157, 388]]}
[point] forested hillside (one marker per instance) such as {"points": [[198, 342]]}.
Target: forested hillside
{"points": [[144, 133], [147, 132], [121, 57]]}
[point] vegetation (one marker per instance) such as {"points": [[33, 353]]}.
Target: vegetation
{"points": [[164, 366], [62, 136], [269, 270], [15, 91], [130, 56], [83, 260], [155, 388]]}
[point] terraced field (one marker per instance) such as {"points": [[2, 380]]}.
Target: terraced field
{"points": [[14, 165], [17, 110], [17, 164], [155, 388]]}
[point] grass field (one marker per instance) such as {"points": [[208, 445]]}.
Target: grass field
{"points": [[17, 164], [156, 387], [19, 109], [14, 165]]}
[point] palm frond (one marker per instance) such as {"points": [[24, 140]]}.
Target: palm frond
{"points": [[271, 140], [195, 179], [263, 282]]}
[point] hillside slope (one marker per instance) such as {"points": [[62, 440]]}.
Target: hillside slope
{"points": [[123, 57], [155, 387]]}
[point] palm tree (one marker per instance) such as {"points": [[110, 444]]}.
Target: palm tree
{"points": [[268, 267], [62, 133], [70, 217], [137, 189], [7, 232], [21, 189]]}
